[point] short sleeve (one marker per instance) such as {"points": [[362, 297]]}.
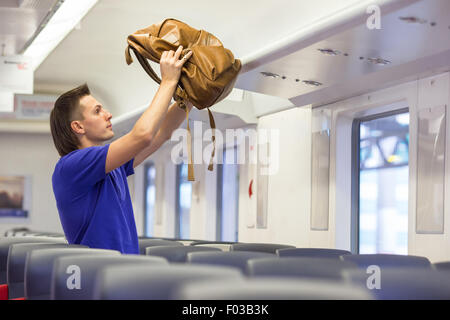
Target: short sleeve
{"points": [[83, 168], [128, 167]]}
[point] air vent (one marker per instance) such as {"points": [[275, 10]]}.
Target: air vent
{"points": [[312, 83], [270, 74], [378, 61], [330, 52], [413, 20]]}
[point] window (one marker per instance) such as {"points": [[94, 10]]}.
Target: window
{"points": [[183, 202], [380, 188], [150, 196], [228, 196]]}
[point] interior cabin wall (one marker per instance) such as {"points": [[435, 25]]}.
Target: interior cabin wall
{"points": [[417, 95], [31, 155], [288, 202], [289, 189]]}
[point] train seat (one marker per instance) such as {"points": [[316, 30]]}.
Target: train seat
{"points": [[154, 282], [6, 242], [176, 253], [387, 260], [235, 259], [301, 267], [89, 267], [16, 264], [39, 267], [443, 265], [145, 243], [259, 247], [405, 283], [222, 245], [311, 252], [271, 289]]}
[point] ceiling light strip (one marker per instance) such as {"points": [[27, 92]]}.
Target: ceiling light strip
{"points": [[59, 25], [42, 25]]}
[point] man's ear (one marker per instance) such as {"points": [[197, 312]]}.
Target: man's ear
{"points": [[77, 127]]}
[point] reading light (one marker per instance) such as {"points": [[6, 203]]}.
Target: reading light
{"points": [[270, 74], [330, 52], [63, 17], [413, 20], [312, 83], [378, 61]]}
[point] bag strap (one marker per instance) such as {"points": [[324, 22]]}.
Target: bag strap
{"points": [[191, 176], [212, 124], [179, 92], [144, 63]]}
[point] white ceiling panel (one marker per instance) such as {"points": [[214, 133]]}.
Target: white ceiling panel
{"points": [[94, 53], [19, 20], [411, 40]]}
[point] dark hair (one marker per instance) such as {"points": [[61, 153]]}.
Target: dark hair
{"points": [[67, 109]]}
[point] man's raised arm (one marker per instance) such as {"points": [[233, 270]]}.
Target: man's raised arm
{"points": [[174, 118], [145, 129]]}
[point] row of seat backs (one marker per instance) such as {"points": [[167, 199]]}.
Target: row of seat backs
{"points": [[16, 264], [31, 265], [222, 245], [41, 294], [22, 232], [162, 281], [45, 265], [262, 263], [150, 246], [111, 277], [45, 274]]}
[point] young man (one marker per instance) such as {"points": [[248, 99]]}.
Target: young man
{"points": [[89, 181]]}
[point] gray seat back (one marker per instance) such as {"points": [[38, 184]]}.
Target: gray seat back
{"points": [[387, 260], [154, 282], [259, 247], [312, 252], [74, 276], [403, 283], [271, 289], [39, 267], [235, 259], [301, 267], [6, 242], [145, 243], [176, 253], [16, 264]]}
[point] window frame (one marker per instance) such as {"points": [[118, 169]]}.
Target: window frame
{"points": [[219, 194], [355, 170], [147, 166]]}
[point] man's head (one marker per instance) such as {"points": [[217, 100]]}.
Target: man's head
{"points": [[79, 120]]}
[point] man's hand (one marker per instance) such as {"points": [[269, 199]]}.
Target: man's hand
{"points": [[171, 64]]}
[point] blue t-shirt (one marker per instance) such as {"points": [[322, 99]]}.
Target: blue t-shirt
{"points": [[95, 208]]}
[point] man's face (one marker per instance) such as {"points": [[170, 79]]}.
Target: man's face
{"points": [[97, 120]]}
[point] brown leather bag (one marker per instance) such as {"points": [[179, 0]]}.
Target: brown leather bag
{"points": [[206, 78]]}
